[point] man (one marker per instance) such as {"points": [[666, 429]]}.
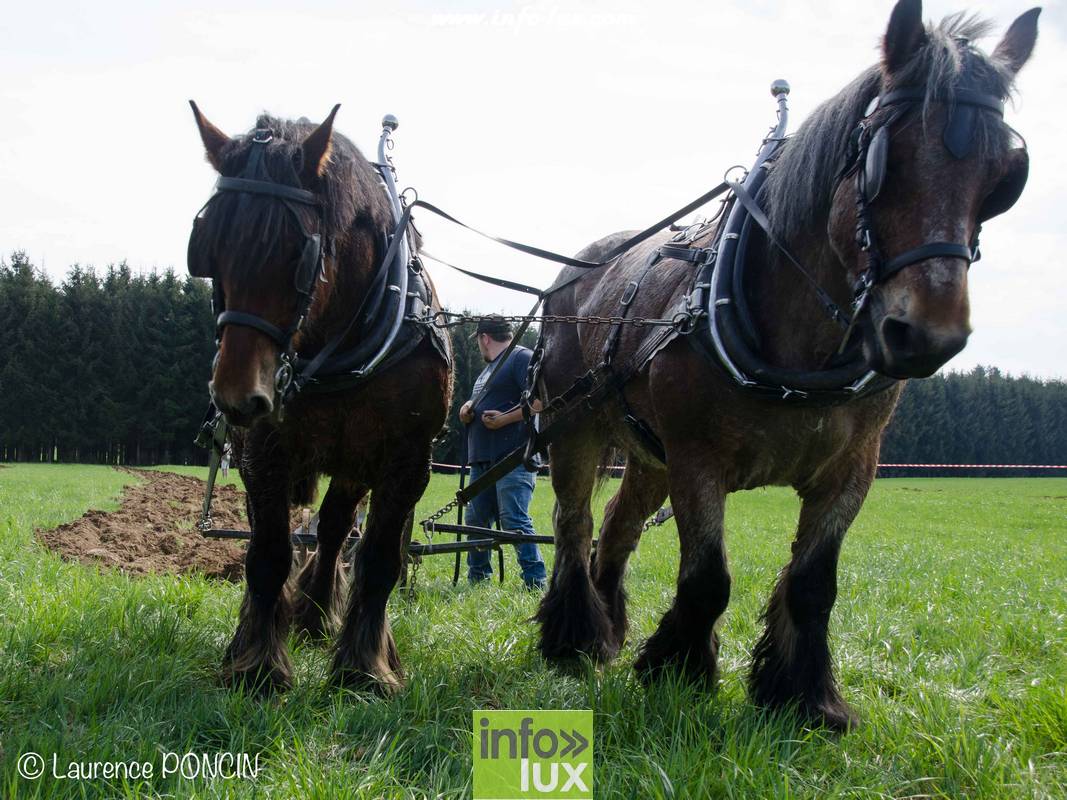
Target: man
{"points": [[494, 428]]}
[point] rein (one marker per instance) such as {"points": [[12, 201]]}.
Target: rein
{"points": [[716, 295]]}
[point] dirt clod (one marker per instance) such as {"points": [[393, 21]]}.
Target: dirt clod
{"points": [[154, 530]]}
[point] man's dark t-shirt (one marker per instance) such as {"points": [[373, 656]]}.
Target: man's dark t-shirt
{"points": [[503, 395]]}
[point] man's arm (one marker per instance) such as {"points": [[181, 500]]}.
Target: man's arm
{"points": [[466, 413], [498, 419]]}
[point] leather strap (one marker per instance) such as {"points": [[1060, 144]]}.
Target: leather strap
{"points": [[694, 255], [754, 210], [916, 254], [506, 354], [548, 255], [268, 188], [960, 97], [252, 321], [501, 282]]}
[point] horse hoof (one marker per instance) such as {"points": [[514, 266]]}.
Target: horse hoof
{"points": [[697, 667], [311, 627], [697, 671], [386, 684], [574, 622], [261, 681], [601, 650], [836, 716]]}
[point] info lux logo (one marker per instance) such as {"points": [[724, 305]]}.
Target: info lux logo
{"points": [[533, 754]]}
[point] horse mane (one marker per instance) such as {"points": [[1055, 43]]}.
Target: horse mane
{"points": [[799, 187], [256, 225]]}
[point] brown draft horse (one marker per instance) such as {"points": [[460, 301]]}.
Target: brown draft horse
{"points": [[376, 437], [717, 438]]}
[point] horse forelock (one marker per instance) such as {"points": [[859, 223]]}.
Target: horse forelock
{"points": [[799, 189], [258, 226]]}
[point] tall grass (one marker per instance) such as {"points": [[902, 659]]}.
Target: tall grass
{"points": [[949, 637]]}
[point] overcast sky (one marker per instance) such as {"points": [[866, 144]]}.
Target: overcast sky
{"points": [[548, 122]]}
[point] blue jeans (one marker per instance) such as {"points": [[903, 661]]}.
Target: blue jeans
{"points": [[508, 501]]}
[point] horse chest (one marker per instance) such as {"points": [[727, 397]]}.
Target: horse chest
{"points": [[786, 451]]}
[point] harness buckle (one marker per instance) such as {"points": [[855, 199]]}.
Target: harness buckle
{"points": [[283, 380], [861, 289]]}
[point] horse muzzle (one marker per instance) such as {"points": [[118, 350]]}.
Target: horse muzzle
{"points": [[900, 348], [242, 409]]}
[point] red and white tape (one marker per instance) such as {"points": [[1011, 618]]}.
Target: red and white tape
{"points": [[881, 466], [981, 466]]}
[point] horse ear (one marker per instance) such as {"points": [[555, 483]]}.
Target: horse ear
{"points": [[904, 36], [214, 139], [317, 147], [1018, 43]]}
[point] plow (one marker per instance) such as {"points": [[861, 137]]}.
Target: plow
{"points": [[304, 537]]}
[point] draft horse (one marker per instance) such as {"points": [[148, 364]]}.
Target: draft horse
{"points": [[295, 240], [945, 162]]}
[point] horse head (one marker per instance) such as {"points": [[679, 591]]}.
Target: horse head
{"points": [[262, 239], [932, 160]]}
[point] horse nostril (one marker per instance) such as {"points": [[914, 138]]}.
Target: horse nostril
{"points": [[258, 405], [247, 409], [901, 339]]}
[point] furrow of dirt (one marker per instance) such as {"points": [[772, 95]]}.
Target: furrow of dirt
{"points": [[154, 530]]}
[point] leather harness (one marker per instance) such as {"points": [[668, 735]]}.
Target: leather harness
{"points": [[328, 370]]}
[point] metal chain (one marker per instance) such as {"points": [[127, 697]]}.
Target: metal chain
{"points": [[427, 524], [416, 562], [452, 319], [658, 518]]}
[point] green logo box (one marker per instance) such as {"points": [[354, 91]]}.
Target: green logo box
{"points": [[546, 755]]}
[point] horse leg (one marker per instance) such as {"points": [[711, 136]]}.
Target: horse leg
{"points": [[257, 656], [642, 492], [573, 618], [366, 655], [322, 579], [791, 662], [685, 639]]}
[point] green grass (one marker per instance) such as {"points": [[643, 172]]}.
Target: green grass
{"points": [[950, 637]]}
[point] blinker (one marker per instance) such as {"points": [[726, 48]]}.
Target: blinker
{"points": [[198, 268], [308, 267], [959, 130], [877, 158]]}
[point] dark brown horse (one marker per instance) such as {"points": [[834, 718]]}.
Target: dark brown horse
{"points": [[370, 434], [718, 438]]}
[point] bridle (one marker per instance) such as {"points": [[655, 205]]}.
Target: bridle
{"points": [[870, 143], [309, 269], [387, 324], [732, 339]]}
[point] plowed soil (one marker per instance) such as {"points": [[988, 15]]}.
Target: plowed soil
{"points": [[154, 530]]}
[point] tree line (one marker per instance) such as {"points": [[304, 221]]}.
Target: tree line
{"points": [[112, 367]]}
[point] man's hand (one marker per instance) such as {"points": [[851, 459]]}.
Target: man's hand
{"points": [[466, 413], [494, 419]]}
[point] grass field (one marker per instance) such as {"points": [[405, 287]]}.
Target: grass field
{"points": [[950, 637]]}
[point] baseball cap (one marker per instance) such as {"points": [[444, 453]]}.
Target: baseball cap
{"points": [[494, 325]]}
